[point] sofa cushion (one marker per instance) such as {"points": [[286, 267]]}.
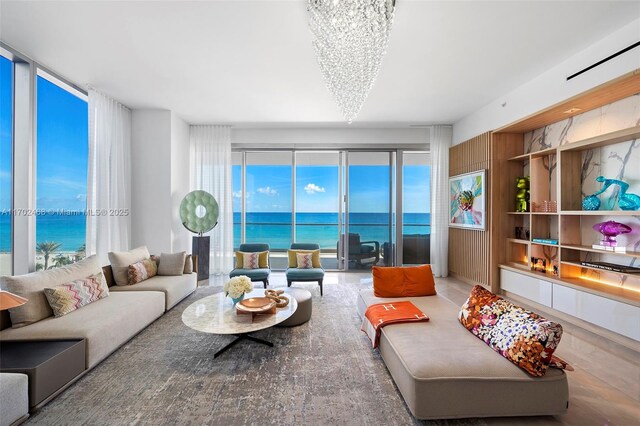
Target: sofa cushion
{"points": [[175, 288], [31, 286], [105, 324], [172, 263], [263, 259], [120, 262], [443, 371], [305, 274], [521, 336], [141, 271], [293, 260], [68, 297], [14, 397], [254, 274], [188, 265], [250, 260], [400, 281]]}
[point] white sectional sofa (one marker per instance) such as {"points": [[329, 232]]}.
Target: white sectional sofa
{"points": [[443, 371], [105, 324]]}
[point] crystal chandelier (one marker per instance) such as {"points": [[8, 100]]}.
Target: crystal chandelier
{"points": [[350, 39]]}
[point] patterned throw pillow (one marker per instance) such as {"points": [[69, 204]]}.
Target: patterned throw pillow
{"points": [[250, 260], [305, 260], [141, 271], [521, 336], [70, 296]]}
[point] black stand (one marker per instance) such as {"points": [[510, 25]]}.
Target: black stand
{"points": [[240, 337], [200, 247]]}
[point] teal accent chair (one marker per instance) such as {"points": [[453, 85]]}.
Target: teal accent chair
{"points": [[261, 274], [313, 274]]}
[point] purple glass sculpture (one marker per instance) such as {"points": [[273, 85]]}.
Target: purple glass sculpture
{"points": [[610, 230]]}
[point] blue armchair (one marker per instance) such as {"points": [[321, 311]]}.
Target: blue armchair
{"points": [[261, 274], [313, 274]]}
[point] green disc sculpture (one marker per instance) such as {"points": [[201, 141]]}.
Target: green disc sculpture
{"points": [[199, 212]]}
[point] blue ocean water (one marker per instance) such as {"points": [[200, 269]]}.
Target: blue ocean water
{"points": [[68, 230], [272, 228], [322, 228]]}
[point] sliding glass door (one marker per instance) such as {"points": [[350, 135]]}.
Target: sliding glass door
{"points": [[363, 208], [368, 239]]}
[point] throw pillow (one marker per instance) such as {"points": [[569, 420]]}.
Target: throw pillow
{"points": [[263, 259], [411, 281], [305, 260], [31, 286], [250, 260], [521, 336], [188, 265], [293, 260], [172, 263], [70, 296], [120, 262], [141, 271]]}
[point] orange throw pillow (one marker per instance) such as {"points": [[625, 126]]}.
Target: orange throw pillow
{"points": [[411, 281]]}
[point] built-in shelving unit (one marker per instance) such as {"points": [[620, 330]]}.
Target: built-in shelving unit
{"points": [[565, 277]]}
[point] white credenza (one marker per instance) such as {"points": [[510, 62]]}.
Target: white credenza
{"points": [[613, 315]]}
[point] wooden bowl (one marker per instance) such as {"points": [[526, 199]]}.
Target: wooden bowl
{"points": [[257, 304]]}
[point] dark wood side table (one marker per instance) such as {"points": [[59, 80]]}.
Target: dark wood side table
{"points": [[51, 365]]}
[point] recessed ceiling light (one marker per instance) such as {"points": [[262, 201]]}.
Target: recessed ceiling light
{"points": [[572, 110]]}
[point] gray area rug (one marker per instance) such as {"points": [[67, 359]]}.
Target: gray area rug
{"points": [[322, 372]]}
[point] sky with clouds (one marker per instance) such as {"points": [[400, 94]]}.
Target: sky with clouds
{"points": [[5, 132], [269, 189], [62, 132]]}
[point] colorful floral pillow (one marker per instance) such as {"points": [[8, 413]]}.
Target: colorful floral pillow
{"points": [[521, 336], [251, 260], [305, 260], [68, 297], [141, 271]]}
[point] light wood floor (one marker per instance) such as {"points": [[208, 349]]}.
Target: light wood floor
{"points": [[604, 389]]}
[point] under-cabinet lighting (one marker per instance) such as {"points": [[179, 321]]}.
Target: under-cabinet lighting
{"points": [[620, 286]]}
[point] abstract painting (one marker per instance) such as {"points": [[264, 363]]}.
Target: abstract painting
{"points": [[467, 201]]}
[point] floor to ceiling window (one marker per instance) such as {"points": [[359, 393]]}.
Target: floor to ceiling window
{"points": [[416, 211], [317, 203], [61, 174], [298, 197], [6, 164], [268, 201]]}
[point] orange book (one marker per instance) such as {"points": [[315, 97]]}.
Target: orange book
{"points": [[383, 314]]}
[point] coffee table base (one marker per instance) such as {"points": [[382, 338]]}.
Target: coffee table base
{"points": [[244, 336]]}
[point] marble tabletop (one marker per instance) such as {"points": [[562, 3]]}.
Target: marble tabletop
{"points": [[216, 314]]}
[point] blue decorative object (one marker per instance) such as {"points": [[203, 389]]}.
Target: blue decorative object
{"points": [[625, 201], [237, 299]]}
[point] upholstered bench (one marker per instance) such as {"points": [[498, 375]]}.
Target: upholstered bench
{"points": [[14, 398], [305, 306]]}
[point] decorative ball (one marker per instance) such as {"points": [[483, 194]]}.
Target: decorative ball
{"points": [[199, 211]]}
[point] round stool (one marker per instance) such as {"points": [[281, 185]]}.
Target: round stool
{"points": [[303, 313]]}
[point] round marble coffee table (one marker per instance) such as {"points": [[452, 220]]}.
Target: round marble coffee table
{"points": [[217, 315]]}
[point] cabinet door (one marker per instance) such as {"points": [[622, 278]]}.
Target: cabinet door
{"points": [[532, 288], [619, 317]]}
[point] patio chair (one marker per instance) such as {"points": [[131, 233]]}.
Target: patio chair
{"points": [[362, 252], [261, 274], [305, 275]]}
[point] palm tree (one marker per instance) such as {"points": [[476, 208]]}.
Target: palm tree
{"points": [[81, 252], [61, 260], [46, 248]]}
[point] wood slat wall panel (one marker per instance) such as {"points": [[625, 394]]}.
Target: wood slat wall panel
{"points": [[469, 250]]}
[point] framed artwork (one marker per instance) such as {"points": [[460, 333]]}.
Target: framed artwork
{"points": [[467, 201]]}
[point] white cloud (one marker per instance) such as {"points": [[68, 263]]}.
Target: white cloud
{"points": [[312, 188], [237, 194], [268, 191], [81, 197]]}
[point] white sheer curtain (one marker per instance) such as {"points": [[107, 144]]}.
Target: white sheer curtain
{"points": [[211, 172], [109, 180], [440, 143]]}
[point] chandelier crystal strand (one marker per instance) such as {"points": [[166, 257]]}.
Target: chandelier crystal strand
{"points": [[350, 39]]}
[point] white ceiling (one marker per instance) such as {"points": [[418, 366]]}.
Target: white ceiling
{"points": [[251, 63]]}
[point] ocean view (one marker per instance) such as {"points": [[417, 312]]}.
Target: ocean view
{"points": [[64, 229], [274, 228]]}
